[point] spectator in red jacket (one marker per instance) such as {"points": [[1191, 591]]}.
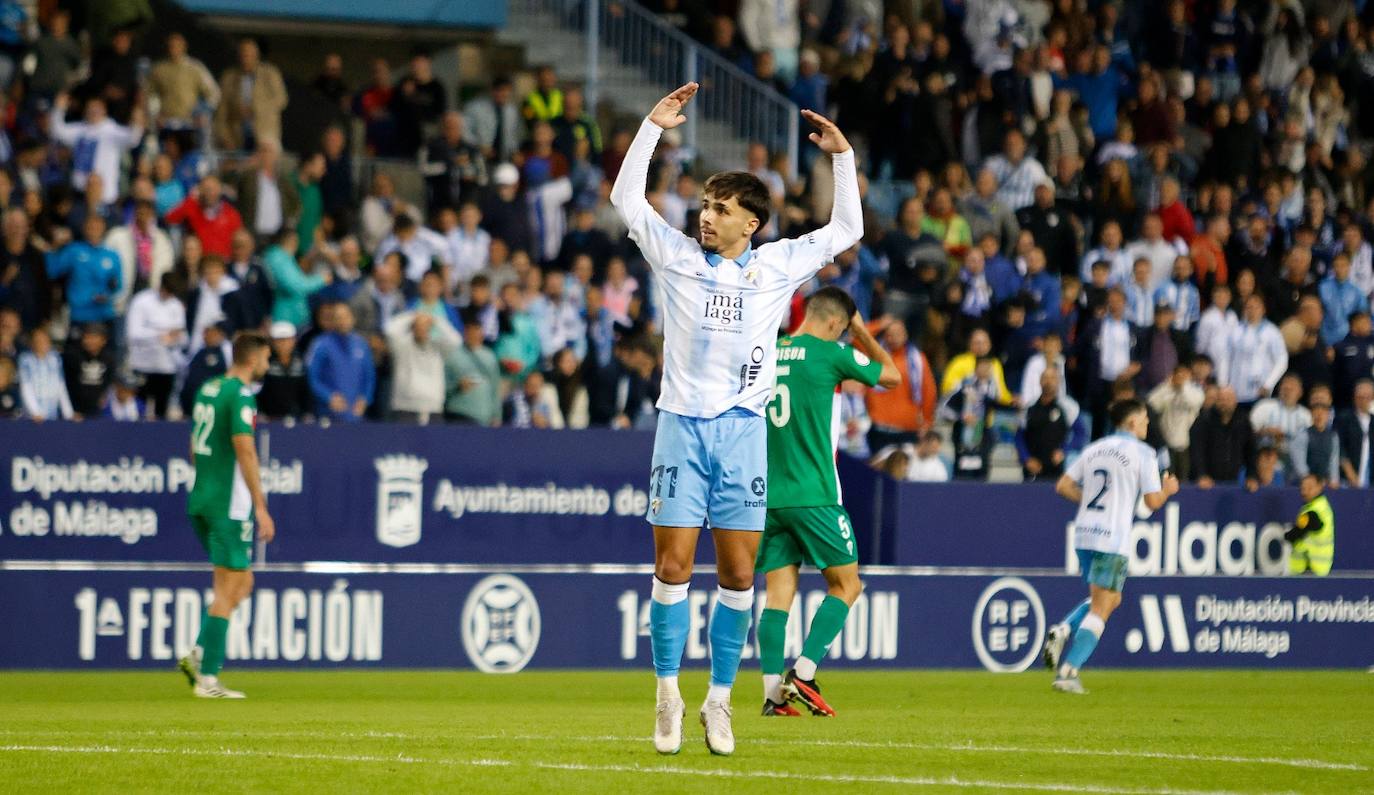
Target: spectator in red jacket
{"points": [[211, 217], [1178, 221]]}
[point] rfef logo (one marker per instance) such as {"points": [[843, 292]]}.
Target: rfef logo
{"points": [[1008, 624], [500, 625], [400, 498]]}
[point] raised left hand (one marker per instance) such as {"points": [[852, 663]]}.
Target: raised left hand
{"points": [[828, 137]]}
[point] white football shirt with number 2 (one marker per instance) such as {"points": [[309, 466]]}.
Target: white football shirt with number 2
{"points": [[1114, 472]]}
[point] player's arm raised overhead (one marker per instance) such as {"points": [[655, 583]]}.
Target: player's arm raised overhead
{"points": [[811, 252], [655, 237], [864, 341]]}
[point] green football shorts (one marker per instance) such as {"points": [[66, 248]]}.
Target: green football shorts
{"points": [[822, 537], [229, 541]]}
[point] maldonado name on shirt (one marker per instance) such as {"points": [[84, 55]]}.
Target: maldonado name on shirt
{"points": [[723, 312]]}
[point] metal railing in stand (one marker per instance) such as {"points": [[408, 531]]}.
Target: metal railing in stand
{"points": [[631, 52]]}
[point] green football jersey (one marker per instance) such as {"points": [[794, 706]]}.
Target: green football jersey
{"points": [[803, 419], [224, 408]]}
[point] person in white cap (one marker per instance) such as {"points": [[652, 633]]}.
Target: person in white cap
{"points": [[504, 212], [285, 389]]}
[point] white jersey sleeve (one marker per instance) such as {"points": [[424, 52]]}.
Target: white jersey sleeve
{"points": [[1149, 472], [1075, 469], [656, 238], [807, 254]]}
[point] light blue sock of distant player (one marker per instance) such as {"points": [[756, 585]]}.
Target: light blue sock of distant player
{"points": [[729, 631], [1075, 616], [669, 623], [1084, 641]]}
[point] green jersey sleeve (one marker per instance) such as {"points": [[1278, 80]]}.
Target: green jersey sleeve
{"points": [[850, 363], [245, 419]]}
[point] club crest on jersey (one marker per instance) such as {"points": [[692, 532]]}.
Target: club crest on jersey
{"points": [[400, 497], [751, 274]]}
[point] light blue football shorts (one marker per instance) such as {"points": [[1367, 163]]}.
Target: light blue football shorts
{"points": [[710, 472]]}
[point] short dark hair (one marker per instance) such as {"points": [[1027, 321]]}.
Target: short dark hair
{"points": [[247, 343], [744, 188], [1122, 410], [831, 301]]}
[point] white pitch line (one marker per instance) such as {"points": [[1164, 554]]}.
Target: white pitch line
{"points": [[969, 747], [772, 775], [966, 747]]}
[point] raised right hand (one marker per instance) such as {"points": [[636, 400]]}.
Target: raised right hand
{"points": [[667, 113]]}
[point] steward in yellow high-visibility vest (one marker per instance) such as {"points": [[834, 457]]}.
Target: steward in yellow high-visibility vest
{"points": [[545, 102], [1314, 533]]}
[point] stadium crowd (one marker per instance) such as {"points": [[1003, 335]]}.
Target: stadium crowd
{"points": [[1067, 202]]}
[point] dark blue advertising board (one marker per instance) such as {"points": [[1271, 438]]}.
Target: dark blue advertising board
{"points": [[504, 620], [384, 493]]}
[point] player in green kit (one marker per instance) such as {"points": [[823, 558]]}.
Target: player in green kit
{"points": [[226, 498], [806, 522]]}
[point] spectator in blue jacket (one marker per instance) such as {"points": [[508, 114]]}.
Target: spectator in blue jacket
{"points": [[1340, 299], [342, 376], [1098, 86], [1043, 290], [94, 274], [1001, 272]]}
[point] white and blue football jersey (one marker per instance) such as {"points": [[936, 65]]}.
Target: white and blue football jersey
{"points": [[721, 317], [1114, 472]]}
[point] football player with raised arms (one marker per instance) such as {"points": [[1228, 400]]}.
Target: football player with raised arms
{"points": [[723, 301], [1108, 479]]}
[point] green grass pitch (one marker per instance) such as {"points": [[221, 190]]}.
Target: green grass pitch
{"points": [[423, 731]]}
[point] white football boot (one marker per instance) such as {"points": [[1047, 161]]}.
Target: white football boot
{"points": [[720, 735], [210, 687], [1055, 641], [668, 725]]}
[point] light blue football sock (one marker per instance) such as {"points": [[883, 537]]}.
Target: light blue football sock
{"points": [[1075, 616], [1084, 642], [669, 623], [729, 631]]}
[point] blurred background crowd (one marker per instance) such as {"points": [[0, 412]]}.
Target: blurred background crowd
{"points": [[1066, 202]]}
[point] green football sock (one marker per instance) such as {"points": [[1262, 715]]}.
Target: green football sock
{"points": [[825, 626], [213, 633], [772, 632]]}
